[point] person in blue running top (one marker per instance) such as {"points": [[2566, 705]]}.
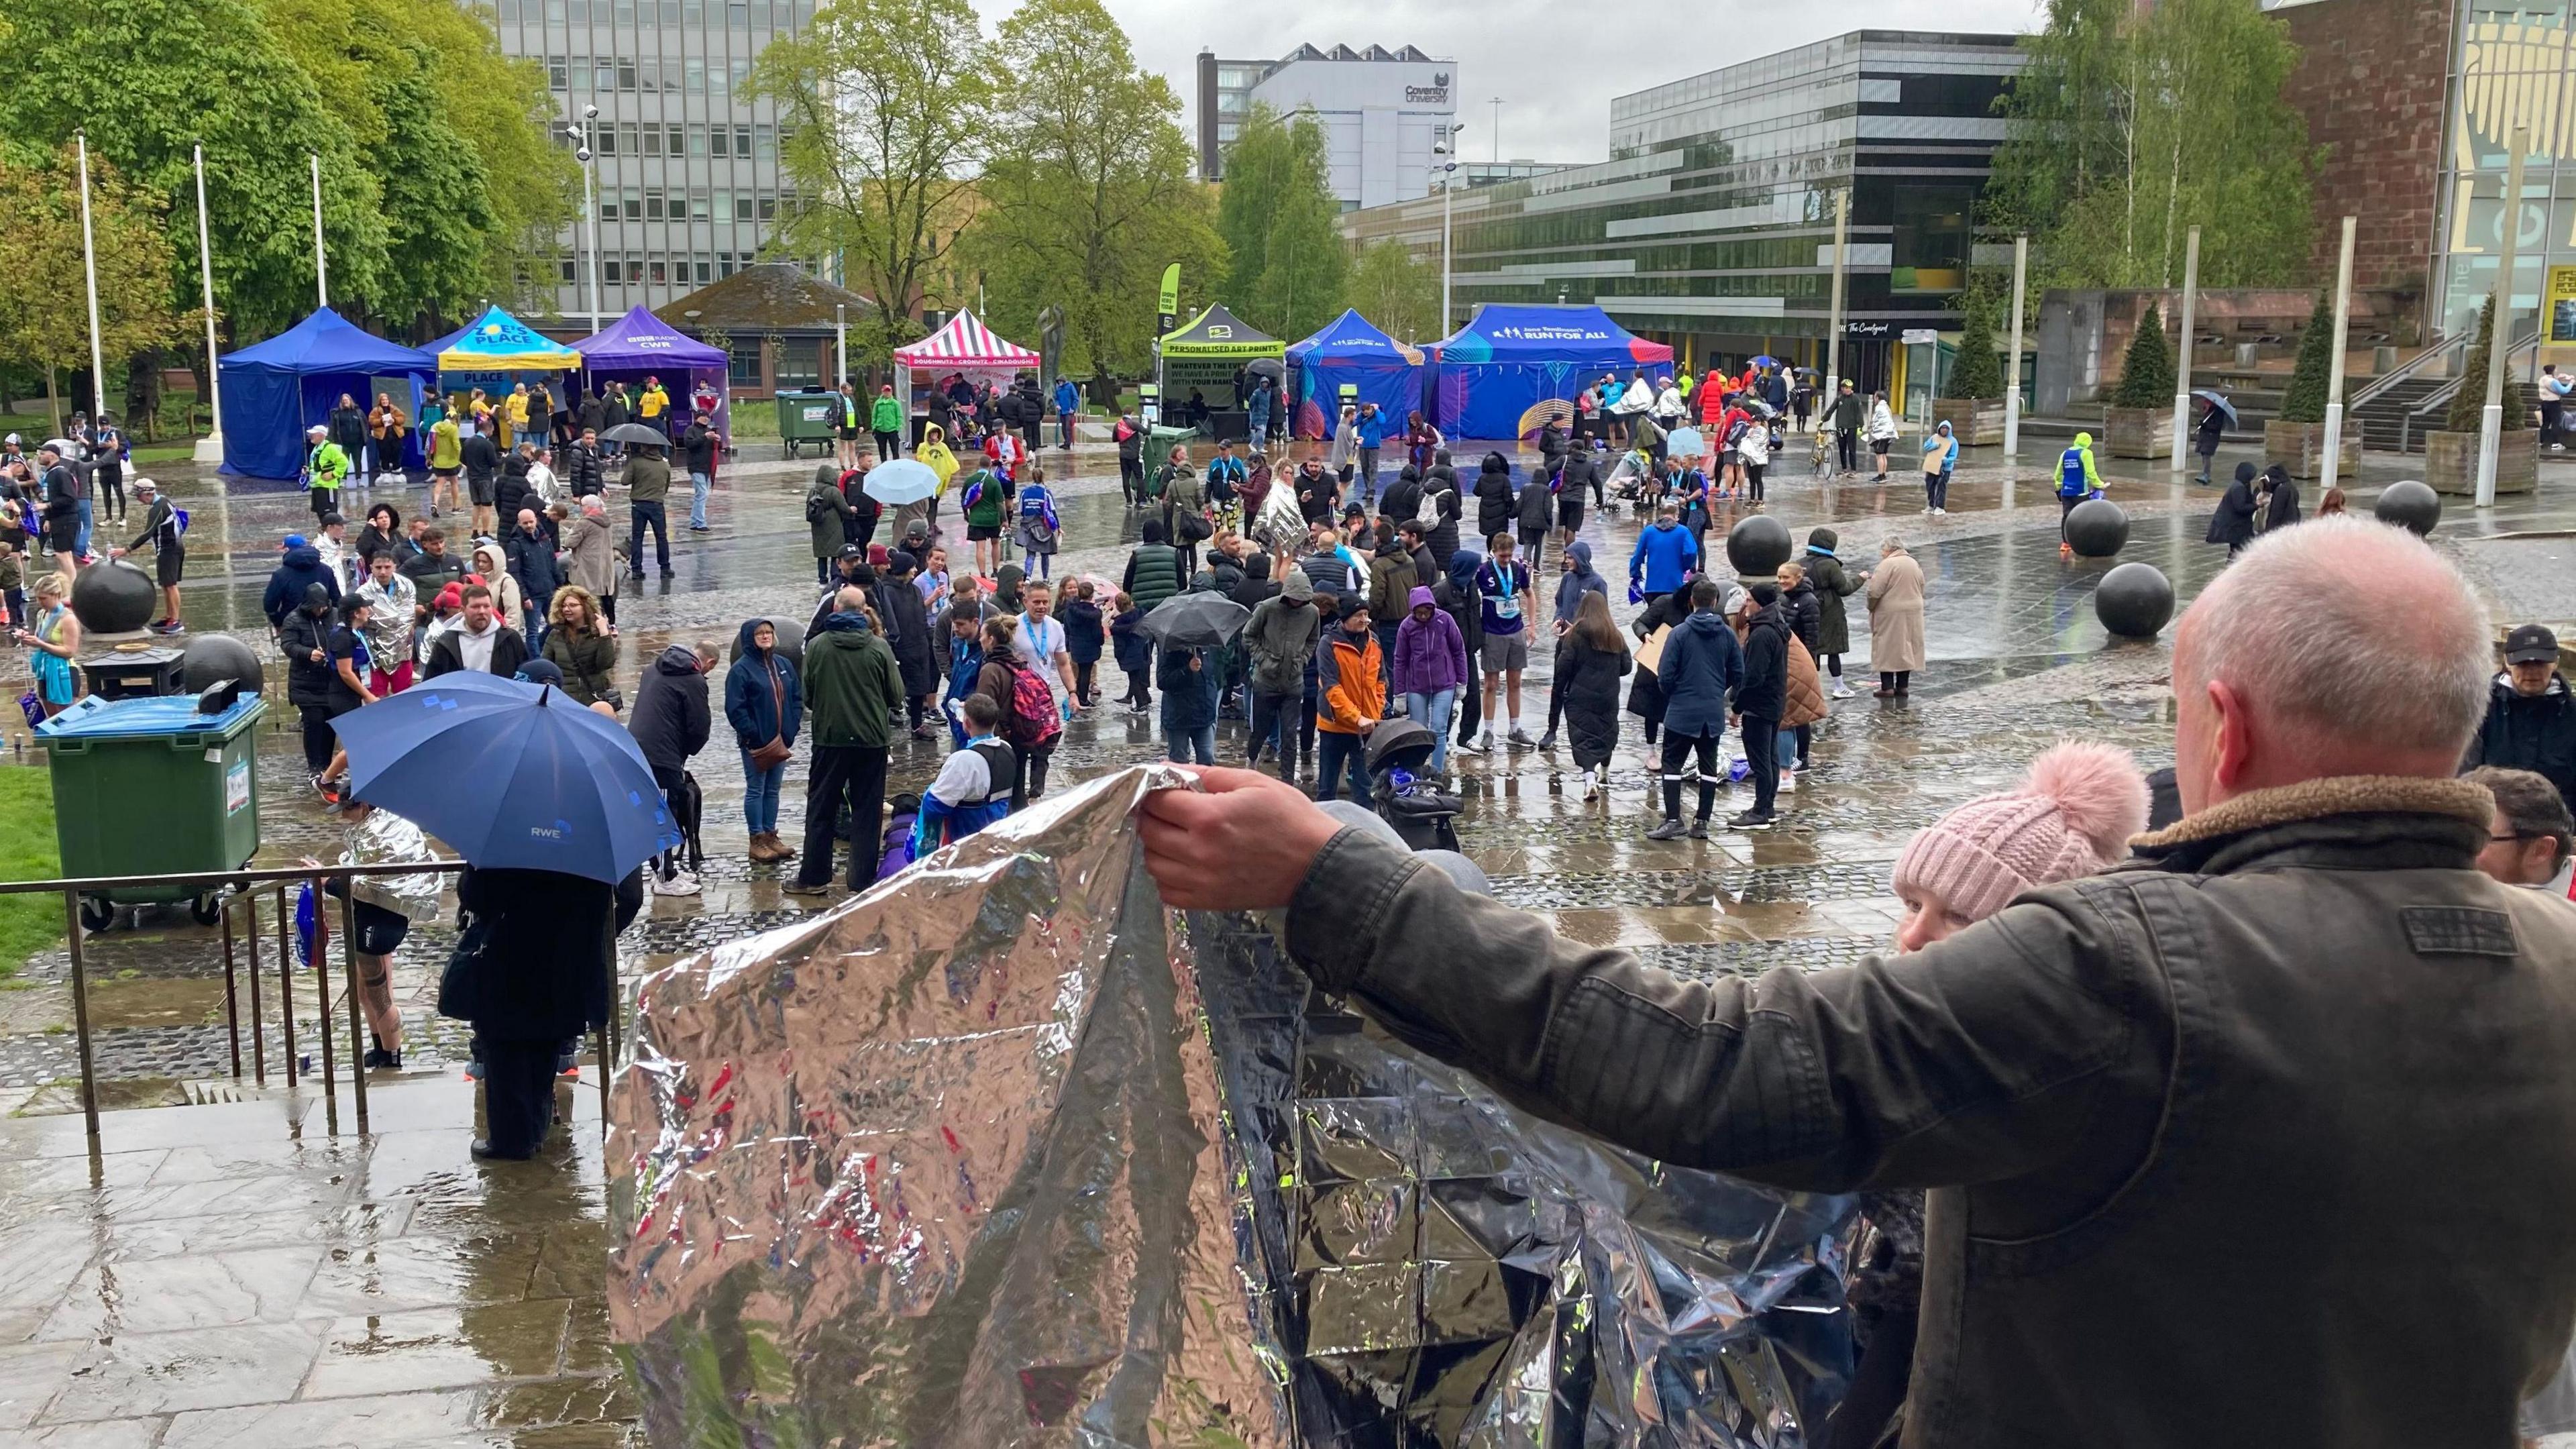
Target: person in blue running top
{"points": [[1068, 401], [1504, 583], [1371, 435], [2077, 480]]}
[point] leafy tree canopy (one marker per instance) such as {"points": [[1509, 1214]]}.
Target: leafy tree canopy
{"points": [[44, 299], [1281, 226], [1397, 290]]}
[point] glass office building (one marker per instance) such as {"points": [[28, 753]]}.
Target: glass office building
{"points": [[1711, 226], [2512, 65], [687, 171]]}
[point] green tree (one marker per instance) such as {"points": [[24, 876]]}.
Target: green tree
{"points": [[2129, 129], [1397, 290], [44, 297], [2147, 374], [1088, 193], [2305, 402], [149, 78], [2468, 405], [883, 108], [1979, 372], [1281, 225]]}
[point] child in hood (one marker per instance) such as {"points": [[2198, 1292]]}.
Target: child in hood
{"points": [[1085, 633], [1134, 651]]}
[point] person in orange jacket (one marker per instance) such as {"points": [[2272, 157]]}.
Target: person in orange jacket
{"points": [[1350, 690]]}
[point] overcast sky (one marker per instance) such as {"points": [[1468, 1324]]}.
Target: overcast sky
{"points": [[1556, 66]]}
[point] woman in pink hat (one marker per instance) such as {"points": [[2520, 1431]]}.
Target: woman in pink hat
{"points": [[2071, 816]]}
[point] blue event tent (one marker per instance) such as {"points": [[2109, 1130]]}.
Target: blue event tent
{"points": [[274, 390], [1511, 368], [1351, 350]]}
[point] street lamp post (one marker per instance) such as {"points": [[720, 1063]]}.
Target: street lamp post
{"points": [[1447, 171], [589, 202]]}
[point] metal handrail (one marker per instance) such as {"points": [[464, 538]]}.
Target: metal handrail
{"points": [[246, 885], [2441, 397], [2386, 380]]}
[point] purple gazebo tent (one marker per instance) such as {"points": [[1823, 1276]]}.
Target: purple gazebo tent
{"points": [[640, 344]]}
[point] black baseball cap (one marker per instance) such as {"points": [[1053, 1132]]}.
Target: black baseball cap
{"points": [[851, 551], [2530, 644]]}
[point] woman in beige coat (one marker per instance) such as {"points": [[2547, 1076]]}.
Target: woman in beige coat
{"points": [[592, 542], [1895, 618]]}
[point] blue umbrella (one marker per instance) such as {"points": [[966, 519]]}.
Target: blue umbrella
{"points": [[1765, 360], [2220, 403], [510, 775], [1685, 443], [905, 480]]}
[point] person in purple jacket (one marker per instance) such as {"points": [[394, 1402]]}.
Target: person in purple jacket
{"points": [[1430, 668]]}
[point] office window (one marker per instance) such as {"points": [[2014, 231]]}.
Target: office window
{"points": [[692, 12], [1230, 103], [661, 270], [603, 139], [697, 139], [558, 77], [1228, 130], [648, 75], [706, 271], [603, 72], [721, 139], [742, 205], [609, 271], [738, 15], [554, 11], [698, 207], [581, 12], [634, 267], [670, 12], [768, 208], [740, 68], [717, 89], [625, 12], [625, 74], [724, 206], [571, 272], [652, 203], [675, 139], [634, 204], [509, 12], [628, 138], [742, 138], [764, 145], [742, 364], [694, 72]]}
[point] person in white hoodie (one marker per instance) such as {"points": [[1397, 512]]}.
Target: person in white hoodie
{"points": [[1881, 432]]}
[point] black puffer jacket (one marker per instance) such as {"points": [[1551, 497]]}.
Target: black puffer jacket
{"points": [[310, 684], [2530, 732], [671, 719], [1805, 613], [1494, 497], [1765, 690]]}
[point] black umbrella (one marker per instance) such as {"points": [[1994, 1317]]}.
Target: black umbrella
{"points": [[1195, 621], [641, 434]]}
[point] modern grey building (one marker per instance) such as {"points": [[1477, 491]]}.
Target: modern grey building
{"points": [[1382, 111], [687, 169], [1711, 226]]}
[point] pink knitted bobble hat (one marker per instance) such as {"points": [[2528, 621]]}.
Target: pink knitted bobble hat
{"points": [[2072, 816]]}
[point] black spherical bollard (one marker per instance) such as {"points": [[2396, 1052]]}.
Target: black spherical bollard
{"points": [[210, 659], [791, 642], [114, 598], [2134, 601], [2098, 529], [1758, 546], [2409, 505]]}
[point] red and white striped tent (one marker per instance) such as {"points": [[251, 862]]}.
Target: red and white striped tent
{"points": [[965, 345]]}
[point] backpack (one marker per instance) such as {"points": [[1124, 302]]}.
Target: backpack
{"points": [[1427, 513], [815, 507], [1032, 720]]}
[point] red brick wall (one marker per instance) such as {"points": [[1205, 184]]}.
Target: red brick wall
{"points": [[2371, 80]]}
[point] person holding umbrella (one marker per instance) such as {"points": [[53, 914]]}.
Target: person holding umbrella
{"points": [[1189, 627], [551, 806], [2215, 417]]}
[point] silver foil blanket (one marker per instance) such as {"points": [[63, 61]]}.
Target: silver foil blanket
{"points": [[1003, 1154]]}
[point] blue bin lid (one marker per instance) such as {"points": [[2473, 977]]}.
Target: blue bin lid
{"points": [[107, 719]]}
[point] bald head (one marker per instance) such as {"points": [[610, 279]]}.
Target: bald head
{"points": [[2338, 647], [850, 599]]}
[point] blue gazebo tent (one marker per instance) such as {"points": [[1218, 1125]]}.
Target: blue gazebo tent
{"points": [[1511, 368], [274, 390], [1351, 350]]}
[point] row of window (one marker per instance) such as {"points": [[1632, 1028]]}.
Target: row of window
{"points": [[686, 76], [736, 14], [655, 203], [751, 140], [639, 269]]}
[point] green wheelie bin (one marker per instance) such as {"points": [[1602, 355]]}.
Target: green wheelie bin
{"points": [[152, 787], [810, 415]]}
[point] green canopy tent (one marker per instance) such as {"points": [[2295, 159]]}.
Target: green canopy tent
{"points": [[1214, 350]]}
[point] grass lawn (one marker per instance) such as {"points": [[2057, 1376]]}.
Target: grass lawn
{"points": [[28, 923]]}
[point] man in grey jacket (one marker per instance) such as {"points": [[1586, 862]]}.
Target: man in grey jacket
{"points": [[1280, 636], [2263, 1137]]}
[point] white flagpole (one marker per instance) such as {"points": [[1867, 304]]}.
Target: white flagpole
{"points": [[89, 266], [210, 449], [321, 269]]}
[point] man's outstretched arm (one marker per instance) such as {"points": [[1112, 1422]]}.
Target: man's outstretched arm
{"points": [[1978, 1059]]}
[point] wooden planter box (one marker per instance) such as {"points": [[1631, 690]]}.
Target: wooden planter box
{"points": [[1975, 422], [2451, 463], [2138, 432], [2301, 447]]}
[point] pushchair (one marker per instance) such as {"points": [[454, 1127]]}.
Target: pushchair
{"points": [[1423, 816]]}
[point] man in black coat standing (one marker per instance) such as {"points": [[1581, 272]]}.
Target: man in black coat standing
{"points": [[1759, 701], [670, 724], [541, 979], [2531, 717]]}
